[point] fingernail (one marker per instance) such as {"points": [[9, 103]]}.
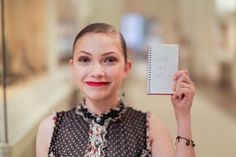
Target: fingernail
{"points": [[173, 87]]}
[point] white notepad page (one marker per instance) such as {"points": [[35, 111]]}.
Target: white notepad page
{"points": [[162, 65]]}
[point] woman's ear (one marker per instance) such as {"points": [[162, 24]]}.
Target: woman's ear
{"points": [[70, 63], [128, 67]]}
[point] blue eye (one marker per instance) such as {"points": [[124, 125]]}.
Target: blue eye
{"points": [[84, 59], [110, 60]]}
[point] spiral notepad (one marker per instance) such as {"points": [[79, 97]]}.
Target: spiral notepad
{"points": [[161, 67]]}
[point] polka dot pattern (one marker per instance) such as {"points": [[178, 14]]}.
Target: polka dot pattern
{"points": [[126, 137]]}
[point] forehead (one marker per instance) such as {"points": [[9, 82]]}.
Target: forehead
{"points": [[98, 42]]}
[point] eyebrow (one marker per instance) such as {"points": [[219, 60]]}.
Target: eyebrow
{"points": [[104, 54], [76, 53], [108, 53]]}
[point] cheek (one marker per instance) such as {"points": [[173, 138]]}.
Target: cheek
{"points": [[116, 73], [80, 73]]}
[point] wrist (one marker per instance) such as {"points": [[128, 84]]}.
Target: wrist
{"points": [[188, 142], [183, 117], [184, 126]]}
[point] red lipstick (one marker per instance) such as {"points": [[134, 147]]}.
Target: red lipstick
{"points": [[97, 84]]}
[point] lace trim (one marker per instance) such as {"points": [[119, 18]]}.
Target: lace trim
{"points": [[51, 155], [98, 128], [112, 115], [97, 141], [147, 152], [57, 117]]}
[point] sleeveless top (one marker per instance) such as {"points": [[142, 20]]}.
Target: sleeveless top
{"points": [[121, 132]]}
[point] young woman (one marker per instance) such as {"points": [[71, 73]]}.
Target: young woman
{"points": [[102, 125]]}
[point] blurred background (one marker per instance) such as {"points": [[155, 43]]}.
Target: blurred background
{"points": [[36, 42]]}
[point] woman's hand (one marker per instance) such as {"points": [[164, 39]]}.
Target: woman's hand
{"points": [[184, 91]]}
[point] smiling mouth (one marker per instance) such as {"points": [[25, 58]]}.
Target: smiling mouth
{"points": [[97, 84]]}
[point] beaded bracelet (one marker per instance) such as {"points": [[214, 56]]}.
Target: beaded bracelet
{"points": [[188, 141]]}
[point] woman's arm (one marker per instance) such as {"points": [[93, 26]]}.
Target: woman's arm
{"points": [[184, 91], [162, 145], [44, 137], [182, 102]]}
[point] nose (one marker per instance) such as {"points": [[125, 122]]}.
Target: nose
{"points": [[97, 70]]}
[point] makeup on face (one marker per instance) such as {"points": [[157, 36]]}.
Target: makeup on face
{"points": [[99, 66], [97, 84]]}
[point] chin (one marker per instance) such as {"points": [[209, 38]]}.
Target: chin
{"points": [[98, 96]]}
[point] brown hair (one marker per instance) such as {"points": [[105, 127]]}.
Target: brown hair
{"points": [[102, 28]]}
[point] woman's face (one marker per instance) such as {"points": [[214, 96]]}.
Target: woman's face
{"points": [[98, 65]]}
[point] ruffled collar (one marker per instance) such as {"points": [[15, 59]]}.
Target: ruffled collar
{"points": [[101, 119]]}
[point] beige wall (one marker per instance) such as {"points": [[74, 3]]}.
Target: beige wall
{"points": [[26, 30], [234, 57], [211, 50], [100, 11], [165, 11], [197, 19]]}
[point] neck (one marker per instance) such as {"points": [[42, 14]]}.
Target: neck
{"points": [[101, 106]]}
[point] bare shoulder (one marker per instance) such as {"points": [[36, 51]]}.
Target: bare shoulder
{"points": [[44, 135], [158, 129], [157, 124], [161, 138]]}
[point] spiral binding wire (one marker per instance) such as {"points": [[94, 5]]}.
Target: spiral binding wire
{"points": [[149, 68]]}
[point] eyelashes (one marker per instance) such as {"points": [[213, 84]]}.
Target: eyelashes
{"points": [[110, 60], [84, 59], [106, 60]]}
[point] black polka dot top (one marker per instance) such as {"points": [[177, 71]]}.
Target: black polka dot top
{"points": [[121, 132]]}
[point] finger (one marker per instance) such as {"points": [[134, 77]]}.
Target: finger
{"points": [[178, 89], [184, 78], [178, 85], [183, 85], [186, 72], [174, 87], [187, 91], [178, 73], [180, 93]]}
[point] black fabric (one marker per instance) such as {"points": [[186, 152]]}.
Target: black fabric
{"points": [[126, 136], [104, 117]]}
